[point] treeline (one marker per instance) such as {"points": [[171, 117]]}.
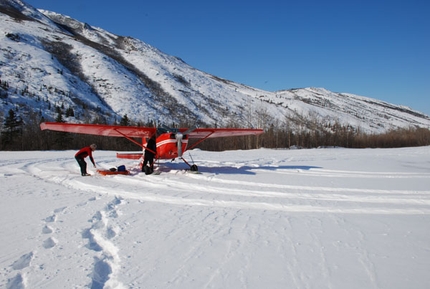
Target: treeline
{"points": [[17, 134], [280, 138]]}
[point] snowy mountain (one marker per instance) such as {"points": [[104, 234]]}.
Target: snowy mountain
{"points": [[51, 63]]}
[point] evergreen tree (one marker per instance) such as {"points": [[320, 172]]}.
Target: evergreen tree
{"points": [[124, 121], [70, 112], [59, 117], [12, 131]]}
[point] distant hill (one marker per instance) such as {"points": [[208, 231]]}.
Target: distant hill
{"points": [[52, 64]]}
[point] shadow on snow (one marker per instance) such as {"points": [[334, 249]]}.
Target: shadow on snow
{"points": [[234, 169]]}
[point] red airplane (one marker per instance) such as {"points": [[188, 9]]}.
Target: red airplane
{"points": [[171, 143]]}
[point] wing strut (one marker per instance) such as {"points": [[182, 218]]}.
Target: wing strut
{"points": [[200, 140], [135, 142], [129, 138]]}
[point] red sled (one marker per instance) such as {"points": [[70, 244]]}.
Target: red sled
{"points": [[114, 171]]}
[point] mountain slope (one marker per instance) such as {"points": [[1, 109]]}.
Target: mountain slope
{"points": [[50, 62]]}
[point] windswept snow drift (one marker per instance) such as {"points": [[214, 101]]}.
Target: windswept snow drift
{"points": [[332, 218]]}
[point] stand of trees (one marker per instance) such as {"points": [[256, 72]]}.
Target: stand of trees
{"points": [[17, 134]]}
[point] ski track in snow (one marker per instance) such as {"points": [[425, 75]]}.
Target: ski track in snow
{"points": [[223, 185], [199, 189]]}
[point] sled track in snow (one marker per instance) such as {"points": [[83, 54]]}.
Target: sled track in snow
{"points": [[217, 187], [244, 221]]}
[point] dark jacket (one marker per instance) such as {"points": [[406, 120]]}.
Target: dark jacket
{"points": [[151, 146]]}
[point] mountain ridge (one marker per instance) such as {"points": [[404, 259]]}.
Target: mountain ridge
{"points": [[50, 62]]}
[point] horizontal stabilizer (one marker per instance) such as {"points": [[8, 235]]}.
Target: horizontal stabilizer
{"points": [[130, 156]]}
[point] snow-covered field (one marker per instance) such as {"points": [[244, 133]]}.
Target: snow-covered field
{"points": [[322, 218]]}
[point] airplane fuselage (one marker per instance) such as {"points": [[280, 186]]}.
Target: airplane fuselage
{"points": [[167, 146]]}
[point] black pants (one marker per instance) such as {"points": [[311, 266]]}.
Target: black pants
{"points": [[148, 159], [82, 165]]}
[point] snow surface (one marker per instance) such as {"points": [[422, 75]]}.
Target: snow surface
{"points": [[322, 218]]}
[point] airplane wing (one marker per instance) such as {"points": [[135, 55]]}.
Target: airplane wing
{"points": [[133, 131], [222, 132], [100, 129]]}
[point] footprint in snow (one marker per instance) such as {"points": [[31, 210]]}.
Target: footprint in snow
{"points": [[49, 243], [51, 219], [101, 273], [110, 233], [16, 282], [23, 261], [59, 210], [47, 230]]}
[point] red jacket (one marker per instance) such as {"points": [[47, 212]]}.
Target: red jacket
{"points": [[85, 152]]}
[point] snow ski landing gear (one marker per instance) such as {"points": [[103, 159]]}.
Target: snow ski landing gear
{"points": [[193, 168]]}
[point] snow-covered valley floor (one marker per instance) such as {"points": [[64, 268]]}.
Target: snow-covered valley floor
{"points": [[322, 218]]}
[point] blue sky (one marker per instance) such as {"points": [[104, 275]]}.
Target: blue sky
{"points": [[373, 48]]}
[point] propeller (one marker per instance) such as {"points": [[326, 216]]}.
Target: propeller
{"points": [[190, 130], [180, 136]]}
